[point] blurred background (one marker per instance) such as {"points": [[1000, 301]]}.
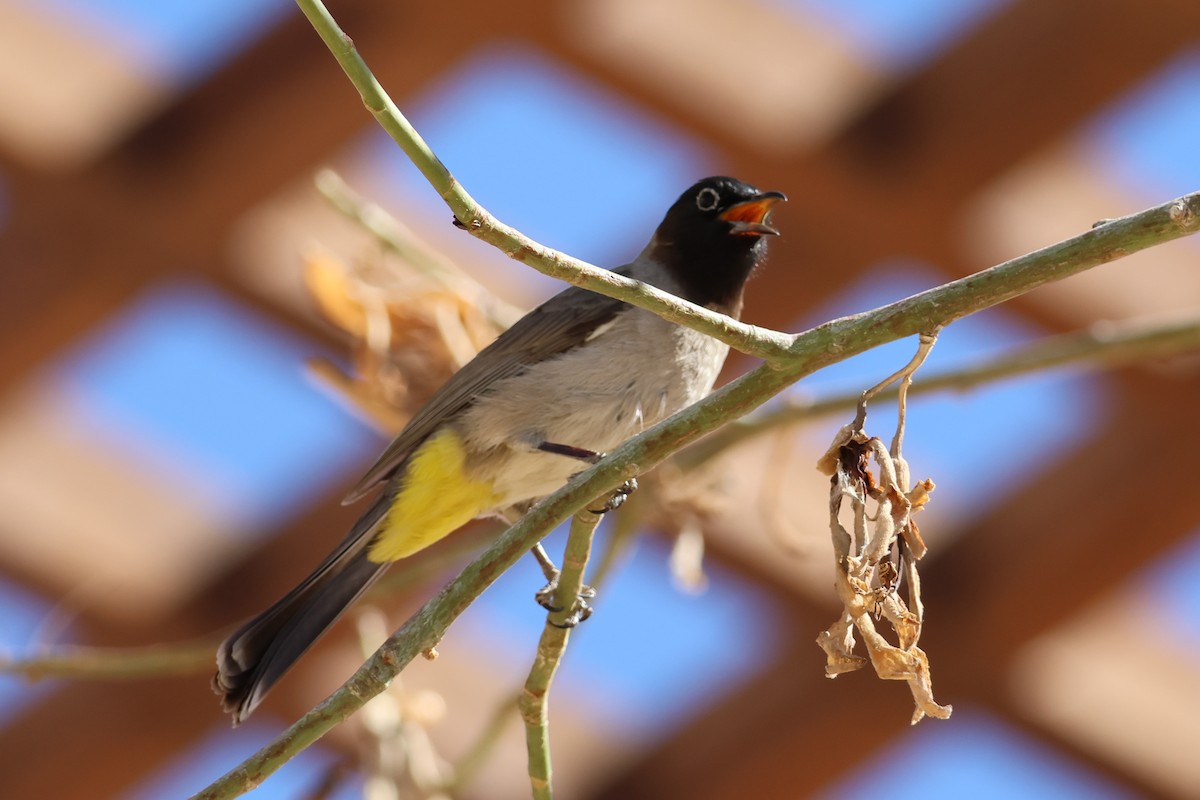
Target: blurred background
{"points": [[168, 467]]}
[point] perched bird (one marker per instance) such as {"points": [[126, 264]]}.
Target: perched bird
{"points": [[571, 380]]}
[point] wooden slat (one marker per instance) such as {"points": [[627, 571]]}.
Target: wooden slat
{"points": [[167, 199], [894, 181]]}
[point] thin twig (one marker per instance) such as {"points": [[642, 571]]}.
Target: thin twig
{"points": [[108, 663], [904, 375], [397, 238], [190, 658], [533, 702], [1104, 345], [927, 341], [806, 353], [759, 342], [812, 350]]}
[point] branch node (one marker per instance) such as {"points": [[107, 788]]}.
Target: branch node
{"points": [[1182, 214]]}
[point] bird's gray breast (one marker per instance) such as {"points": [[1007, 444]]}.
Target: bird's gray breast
{"points": [[632, 373]]}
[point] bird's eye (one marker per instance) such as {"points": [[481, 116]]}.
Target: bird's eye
{"points": [[707, 199]]}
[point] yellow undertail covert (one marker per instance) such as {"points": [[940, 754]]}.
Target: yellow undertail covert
{"points": [[435, 500]]}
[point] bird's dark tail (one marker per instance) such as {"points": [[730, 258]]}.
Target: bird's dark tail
{"points": [[257, 655]]}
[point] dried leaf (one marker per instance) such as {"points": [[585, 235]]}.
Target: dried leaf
{"points": [[410, 335], [838, 644], [867, 575], [328, 283]]}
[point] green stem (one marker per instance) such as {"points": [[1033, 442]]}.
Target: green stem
{"points": [[533, 702], [812, 350], [108, 663], [803, 353], [385, 111], [1100, 346], [752, 340]]}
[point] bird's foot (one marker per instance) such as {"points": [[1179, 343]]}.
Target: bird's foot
{"points": [[618, 497], [581, 610]]}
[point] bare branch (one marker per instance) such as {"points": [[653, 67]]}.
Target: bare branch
{"points": [[114, 662], [811, 351], [1105, 345], [790, 357], [474, 218], [553, 643]]}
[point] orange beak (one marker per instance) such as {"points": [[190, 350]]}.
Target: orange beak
{"points": [[749, 216]]}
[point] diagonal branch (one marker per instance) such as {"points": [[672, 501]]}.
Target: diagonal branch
{"points": [[762, 343], [107, 663], [803, 354], [1113, 238], [1101, 346], [811, 350], [944, 304], [551, 647]]}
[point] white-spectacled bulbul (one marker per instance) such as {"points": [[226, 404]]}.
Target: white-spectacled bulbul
{"points": [[571, 380]]}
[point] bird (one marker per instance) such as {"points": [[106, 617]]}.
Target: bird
{"points": [[571, 380]]}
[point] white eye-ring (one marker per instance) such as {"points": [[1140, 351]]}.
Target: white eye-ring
{"points": [[707, 199]]}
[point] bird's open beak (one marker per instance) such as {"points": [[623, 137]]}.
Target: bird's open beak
{"points": [[749, 216]]}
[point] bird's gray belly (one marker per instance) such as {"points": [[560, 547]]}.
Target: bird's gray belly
{"points": [[595, 398]]}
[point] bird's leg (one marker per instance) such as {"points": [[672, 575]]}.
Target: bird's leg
{"points": [[570, 451], [617, 498], [545, 596]]}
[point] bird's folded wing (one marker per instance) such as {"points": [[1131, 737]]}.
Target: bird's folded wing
{"points": [[563, 322]]}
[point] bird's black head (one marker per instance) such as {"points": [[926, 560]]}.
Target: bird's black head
{"points": [[713, 237]]}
